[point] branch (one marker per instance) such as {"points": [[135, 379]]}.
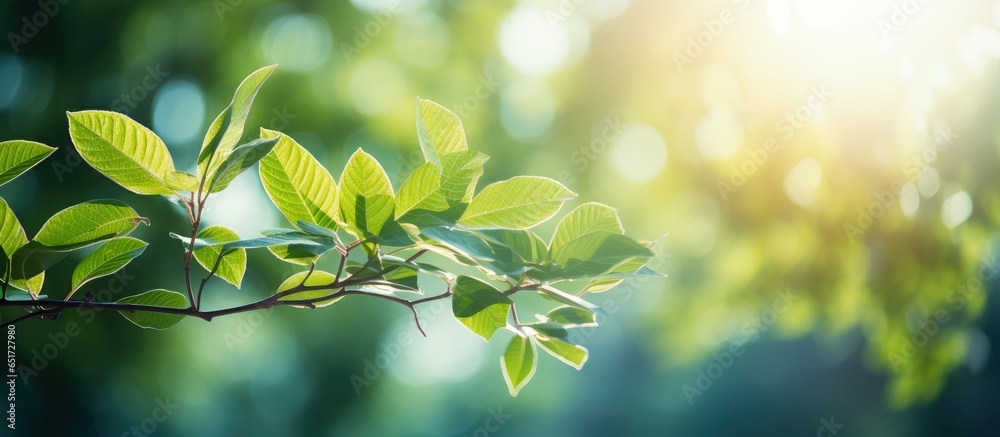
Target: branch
{"points": [[277, 299]]}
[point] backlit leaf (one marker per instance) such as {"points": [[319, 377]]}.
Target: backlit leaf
{"points": [[123, 150]]}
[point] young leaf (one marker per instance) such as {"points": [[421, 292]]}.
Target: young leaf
{"points": [[614, 276], [159, 298], [182, 181], [88, 223], [269, 238], [439, 130], [480, 307], [400, 278], [12, 238], [317, 278], [123, 150], [597, 252], [366, 200], [571, 316], [233, 264], [107, 259], [241, 159], [517, 203], [569, 299], [518, 363], [440, 191], [70, 229], [297, 184], [584, 219], [17, 157], [574, 355], [227, 129], [471, 249], [527, 245]]}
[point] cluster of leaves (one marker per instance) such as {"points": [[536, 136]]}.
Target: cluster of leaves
{"points": [[436, 209]]}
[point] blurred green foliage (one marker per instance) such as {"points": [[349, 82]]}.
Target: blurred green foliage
{"points": [[591, 94]]}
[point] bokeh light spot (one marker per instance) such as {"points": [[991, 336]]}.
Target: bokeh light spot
{"points": [[640, 154]]}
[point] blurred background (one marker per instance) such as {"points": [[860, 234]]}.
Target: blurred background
{"points": [[826, 171]]}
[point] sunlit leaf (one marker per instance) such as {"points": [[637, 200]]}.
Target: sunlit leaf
{"points": [[440, 191], [297, 184], [157, 298], [572, 316], [317, 278], [17, 157], [107, 259], [439, 130], [528, 246], [227, 129], [597, 252], [123, 150], [568, 299], [571, 354], [239, 161], [88, 223], [233, 264], [182, 181], [518, 203], [518, 363], [471, 249], [366, 199], [584, 219], [12, 238], [479, 306]]}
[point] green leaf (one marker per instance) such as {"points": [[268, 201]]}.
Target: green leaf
{"points": [[182, 181], [17, 157], [123, 150], [584, 219], [12, 238], [158, 298], [297, 184], [596, 253], [518, 203], [270, 238], [88, 223], [317, 278], [401, 278], [70, 229], [227, 129], [233, 264], [527, 245], [569, 299], [441, 191], [302, 248], [479, 306], [518, 363], [241, 159], [107, 259], [614, 276], [572, 317], [389, 260], [366, 200], [439, 130], [471, 249], [574, 355]]}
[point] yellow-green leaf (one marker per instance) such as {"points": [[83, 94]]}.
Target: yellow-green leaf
{"points": [[233, 264], [297, 184], [158, 298], [123, 150], [518, 363], [366, 199], [17, 157], [518, 203], [107, 259]]}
